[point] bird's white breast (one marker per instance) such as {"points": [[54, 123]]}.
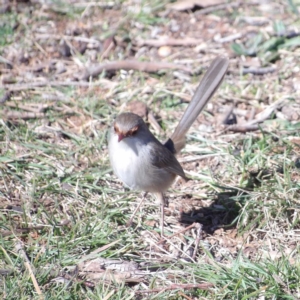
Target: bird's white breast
{"points": [[131, 162]]}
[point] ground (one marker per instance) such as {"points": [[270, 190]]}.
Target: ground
{"points": [[67, 69]]}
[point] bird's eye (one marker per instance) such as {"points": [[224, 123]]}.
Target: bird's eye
{"points": [[134, 130]]}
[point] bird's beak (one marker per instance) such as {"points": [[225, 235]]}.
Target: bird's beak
{"points": [[121, 136]]}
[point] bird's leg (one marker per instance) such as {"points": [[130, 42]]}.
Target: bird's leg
{"points": [[162, 220], [160, 197], [128, 224]]}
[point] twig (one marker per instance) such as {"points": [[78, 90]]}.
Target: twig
{"points": [[65, 37], [38, 108], [242, 128], [258, 71], [33, 85], [150, 67], [129, 222], [103, 4], [19, 248], [252, 114], [224, 6], [254, 21], [12, 115], [198, 238], [153, 122], [229, 38], [266, 113], [252, 125], [180, 293], [188, 41], [202, 286], [180, 231]]}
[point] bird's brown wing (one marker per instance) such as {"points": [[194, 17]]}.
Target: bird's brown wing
{"points": [[161, 157]]}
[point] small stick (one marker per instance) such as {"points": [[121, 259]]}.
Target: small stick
{"points": [[161, 199], [9, 115], [153, 122], [180, 231], [142, 66], [19, 248], [66, 37], [258, 71], [242, 128], [129, 222], [229, 38], [213, 8], [252, 114], [34, 85], [180, 293], [169, 42], [198, 238]]}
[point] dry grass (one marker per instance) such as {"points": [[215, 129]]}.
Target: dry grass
{"points": [[63, 212]]}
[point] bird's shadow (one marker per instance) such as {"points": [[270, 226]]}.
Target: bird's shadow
{"points": [[223, 212]]}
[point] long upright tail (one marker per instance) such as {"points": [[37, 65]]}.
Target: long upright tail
{"points": [[206, 89]]}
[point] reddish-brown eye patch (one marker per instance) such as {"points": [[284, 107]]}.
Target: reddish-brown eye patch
{"points": [[124, 134], [133, 130], [116, 129]]}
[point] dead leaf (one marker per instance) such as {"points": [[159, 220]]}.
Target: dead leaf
{"points": [[138, 107], [100, 269]]}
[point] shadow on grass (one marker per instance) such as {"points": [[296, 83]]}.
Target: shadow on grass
{"points": [[222, 213]]}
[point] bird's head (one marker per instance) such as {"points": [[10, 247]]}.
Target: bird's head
{"points": [[127, 125]]}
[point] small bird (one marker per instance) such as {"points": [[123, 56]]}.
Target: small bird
{"points": [[142, 162]]}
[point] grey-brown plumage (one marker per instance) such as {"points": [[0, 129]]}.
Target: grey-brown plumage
{"points": [[139, 159], [205, 90]]}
